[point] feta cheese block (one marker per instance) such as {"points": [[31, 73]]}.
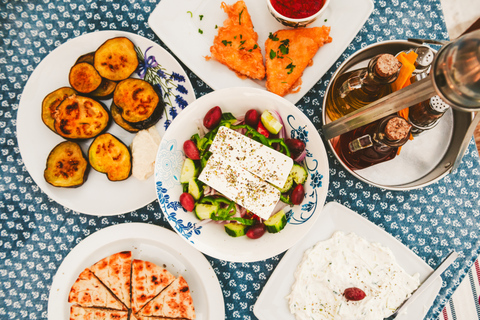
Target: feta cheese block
{"points": [[227, 177], [263, 161]]}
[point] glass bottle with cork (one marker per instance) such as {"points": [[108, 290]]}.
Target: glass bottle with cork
{"points": [[373, 143], [359, 88]]}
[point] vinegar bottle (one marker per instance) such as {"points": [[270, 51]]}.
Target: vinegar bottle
{"points": [[373, 143], [355, 89]]}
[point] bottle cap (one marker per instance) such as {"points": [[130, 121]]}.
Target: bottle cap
{"points": [[437, 104]]}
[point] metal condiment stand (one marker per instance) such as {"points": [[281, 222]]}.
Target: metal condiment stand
{"points": [[454, 76]]}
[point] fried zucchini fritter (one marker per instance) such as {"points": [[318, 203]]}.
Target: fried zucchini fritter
{"points": [[236, 43], [288, 53]]}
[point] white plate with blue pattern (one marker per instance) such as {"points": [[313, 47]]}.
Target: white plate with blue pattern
{"points": [[97, 196], [210, 238], [146, 242]]}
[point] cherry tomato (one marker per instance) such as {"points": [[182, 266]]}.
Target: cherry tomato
{"points": [[262, 130], [187, 201]]}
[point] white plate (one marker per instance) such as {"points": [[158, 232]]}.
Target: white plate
{"points": [[179, 30], [272, 304], [147, 242], [211, 238], [98, 196]]}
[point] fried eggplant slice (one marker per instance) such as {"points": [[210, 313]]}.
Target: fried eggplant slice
{"points": [[116, 59], [87, 57], [105, 90], [117, 118], [66, 166], [109, 155], [84, 78], [141, 105], [79, 117], [288, 53], [51, 102], [236, 43]]}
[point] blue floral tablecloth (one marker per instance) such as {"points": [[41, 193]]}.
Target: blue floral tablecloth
{"points": [[36, 233]]}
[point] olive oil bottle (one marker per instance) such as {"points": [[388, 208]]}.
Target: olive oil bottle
{"points": [[355, 89]]}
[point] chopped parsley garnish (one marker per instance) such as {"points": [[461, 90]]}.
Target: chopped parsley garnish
{"points": [[201, 17], [291, 66], [200, 31], [272, 54], [191, 14], [225, 42], [272, 37], [284, 46], [240, 16], [241, 44], [255, 46], [216, 27], [325, 20]]}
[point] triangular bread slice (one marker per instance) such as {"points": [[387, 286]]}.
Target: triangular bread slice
{"points": [[81, 313], [140, 317], [288, 52], [114, 271], [236, 45], [148, 280], [173, 302], [88, 291]]}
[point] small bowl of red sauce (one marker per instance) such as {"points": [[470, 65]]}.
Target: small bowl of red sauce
{"points": [[296, 13]]}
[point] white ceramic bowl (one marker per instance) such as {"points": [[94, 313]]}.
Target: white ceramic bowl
{"points": [[296, 23], [210, 238]]}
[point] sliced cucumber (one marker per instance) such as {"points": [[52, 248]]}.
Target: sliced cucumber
{"points": [[288, 184], [271, 124], [276, 222], [205, 211], [234, 229], [299, 174], [195, 188], [189, 170]]}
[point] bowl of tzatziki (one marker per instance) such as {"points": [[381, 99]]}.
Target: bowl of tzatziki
{"points": [[209, 236]]}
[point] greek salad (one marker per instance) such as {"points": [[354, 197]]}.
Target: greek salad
{"points": [[243, 172]]}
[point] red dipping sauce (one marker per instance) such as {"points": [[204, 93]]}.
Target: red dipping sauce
{"points": [[297, 9]]}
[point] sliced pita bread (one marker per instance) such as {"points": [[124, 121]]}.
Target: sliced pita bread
{"points": [[288, 52], [139, 317], [173, 302], [81, 313], [236, 45], [148, 280], [133, 317], [114, 271], [88, 291]]}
